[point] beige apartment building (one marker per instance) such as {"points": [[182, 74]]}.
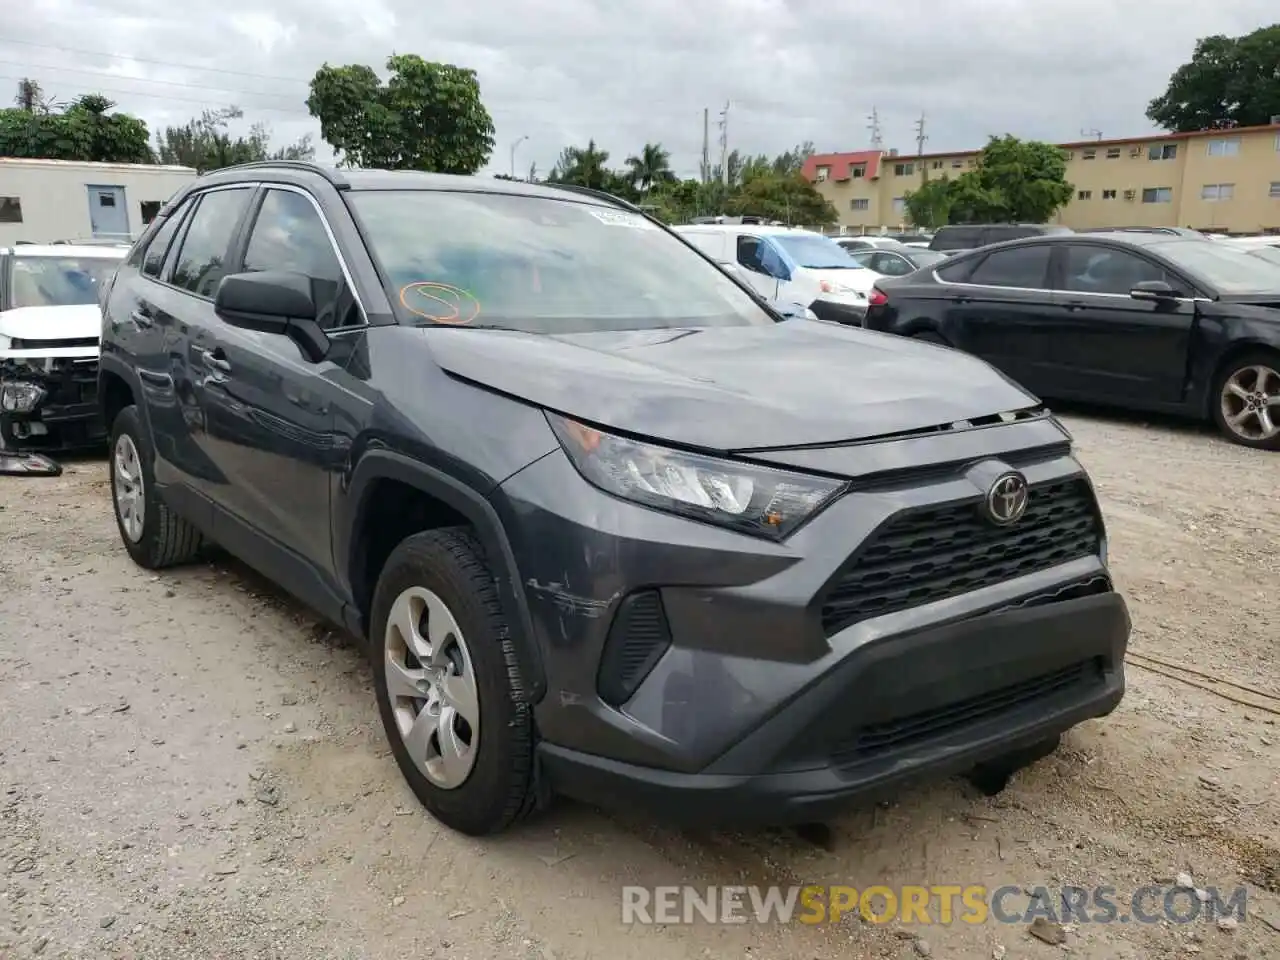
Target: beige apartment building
{"points": [[1225, 181]]}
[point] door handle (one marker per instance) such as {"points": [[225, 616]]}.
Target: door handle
{"points": [[962, 299], [142, 318], [216, 359], [1074, 305]]}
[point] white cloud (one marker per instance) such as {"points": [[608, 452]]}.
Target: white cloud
{"points": [[630, 71]]}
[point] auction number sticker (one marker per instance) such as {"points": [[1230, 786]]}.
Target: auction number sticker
{"points": [[621, 218]]}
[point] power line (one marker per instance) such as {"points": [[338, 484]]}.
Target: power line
{"points": [[162, 96], [167, 83], [159, 63]]}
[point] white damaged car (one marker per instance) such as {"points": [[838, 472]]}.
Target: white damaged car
{"points": [[50, 323]]}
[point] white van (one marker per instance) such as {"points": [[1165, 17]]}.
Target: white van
{"points": [[789, 265]]}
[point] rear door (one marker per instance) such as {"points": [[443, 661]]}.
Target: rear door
{"points": [[999, 313], [196, 267], [1109, 346]]}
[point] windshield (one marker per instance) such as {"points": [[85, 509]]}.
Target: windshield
{"points": [[818, 253], [1269, 254], [1226, 270], [57, 281], [541, 265]]}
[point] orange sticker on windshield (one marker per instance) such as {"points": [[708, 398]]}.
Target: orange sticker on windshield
{"points": [[439, 302]]}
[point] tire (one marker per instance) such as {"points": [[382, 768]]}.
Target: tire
{"points": [[1235, 390], [446, 570], [994, 775], [164, 539]]}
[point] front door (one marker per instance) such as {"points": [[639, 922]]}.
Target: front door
{"points": [[269, 407], [1109, 346], [108, 212]]}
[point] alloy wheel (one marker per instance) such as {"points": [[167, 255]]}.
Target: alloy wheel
{"points": [[1251, 403], [431, 685], [130, 502]]}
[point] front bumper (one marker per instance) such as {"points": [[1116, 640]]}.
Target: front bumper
{"points": [[934, 703], [889, 637], [67, 416], [839, 311]]}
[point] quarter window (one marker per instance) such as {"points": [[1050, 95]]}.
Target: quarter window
{"points": [[288, 235], [1023, 267], [1101, 270], [202, 259]]}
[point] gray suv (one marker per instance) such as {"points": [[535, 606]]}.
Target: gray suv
{"points": [[609, 526]]}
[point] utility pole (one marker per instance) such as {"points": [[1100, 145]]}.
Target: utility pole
{"points": [[519, 141], [1094, 134], [877, 138], [921, 137], [724, 144], [706, 144]]}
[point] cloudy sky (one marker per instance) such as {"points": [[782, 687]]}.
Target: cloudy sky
{"points": [[625, 72]]}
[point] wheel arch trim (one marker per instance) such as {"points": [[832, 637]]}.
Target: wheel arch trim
{"points": [[377, 465]]}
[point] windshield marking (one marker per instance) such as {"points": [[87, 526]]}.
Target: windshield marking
{"points": [[444, 294]]}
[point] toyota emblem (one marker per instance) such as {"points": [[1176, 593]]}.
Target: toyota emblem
{"points": [[1007, 499]]}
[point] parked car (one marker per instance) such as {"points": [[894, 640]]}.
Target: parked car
{"points": [[608, 527], [1139, 320], [854, 244], [49, 323], [1167, 231], [784, 264], [889, 262], [969, 236], [1264, 248]]}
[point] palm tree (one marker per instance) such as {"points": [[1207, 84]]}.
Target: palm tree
{"points": [[584, 166], [651, 166]]}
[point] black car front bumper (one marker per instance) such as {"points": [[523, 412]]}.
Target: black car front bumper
{"points": [[940, 701], [66, 417]]}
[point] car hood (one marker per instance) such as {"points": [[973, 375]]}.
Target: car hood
{"points": [[734, 388], [75, 322]]}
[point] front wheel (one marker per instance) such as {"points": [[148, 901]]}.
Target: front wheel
{"points": [[1247, 401], [448, 684]]}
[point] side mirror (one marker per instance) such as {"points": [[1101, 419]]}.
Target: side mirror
{"points": [[273, 301], [1153, 290], [791, 310]]}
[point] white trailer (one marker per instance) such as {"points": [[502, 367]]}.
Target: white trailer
{"points": [[46, 200]]}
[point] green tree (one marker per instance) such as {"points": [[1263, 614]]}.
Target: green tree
{"points": [[582, 166], [1229, 82], [1015, 181], [930, 206], [205, 143], [428, 116], [85, 130], [789, 198], [650, 166]]}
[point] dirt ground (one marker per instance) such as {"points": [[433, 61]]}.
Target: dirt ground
{"points": [[192, 767]]}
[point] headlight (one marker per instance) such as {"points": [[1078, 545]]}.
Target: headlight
{"points": [[20, 397], [754, 500]]}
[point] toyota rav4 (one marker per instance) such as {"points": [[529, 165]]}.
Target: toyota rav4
{"points": [[611, 527]]}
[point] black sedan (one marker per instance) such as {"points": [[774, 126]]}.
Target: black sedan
{"points": [[1145, 321]]}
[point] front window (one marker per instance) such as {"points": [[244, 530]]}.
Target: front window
{"points": [[541, 265], [813, 251], [57, 281], [1227, 270]]}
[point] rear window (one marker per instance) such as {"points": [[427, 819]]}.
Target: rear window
{"points": [[956, 238]]}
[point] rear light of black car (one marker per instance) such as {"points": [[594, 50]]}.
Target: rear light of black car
{"points": [[877, 297]]}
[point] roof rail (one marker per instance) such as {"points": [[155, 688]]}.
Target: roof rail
{"points": [[306, 166], [598, 194]]}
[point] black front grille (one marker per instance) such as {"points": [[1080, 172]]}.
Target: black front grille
{"points": [[71, 382], [926, 555], [54, 344], [876, 739]]}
